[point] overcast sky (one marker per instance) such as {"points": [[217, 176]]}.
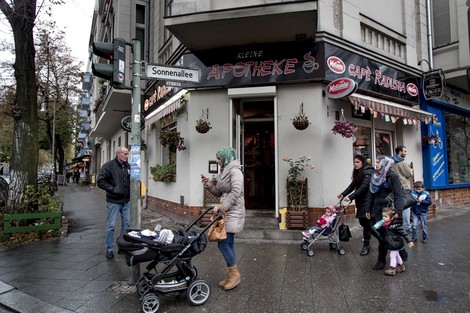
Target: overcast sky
{"points": [[74, 18]]}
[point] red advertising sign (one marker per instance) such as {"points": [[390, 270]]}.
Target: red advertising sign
{"points": [[340, 88]]}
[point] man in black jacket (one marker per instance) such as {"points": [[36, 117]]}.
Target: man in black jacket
{"points": [[114, 178]]}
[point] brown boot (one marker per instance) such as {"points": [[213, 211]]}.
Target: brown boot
{"points": [[233, 278], [223, 282]]}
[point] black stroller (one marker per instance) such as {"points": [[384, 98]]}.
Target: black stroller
{"points": [[329, 233], [178, 274]]}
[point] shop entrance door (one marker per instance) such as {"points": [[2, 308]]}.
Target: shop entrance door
{"points": [[257, 147]]}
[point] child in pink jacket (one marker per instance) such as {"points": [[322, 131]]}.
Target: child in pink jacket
{"points": [[323, 222]]}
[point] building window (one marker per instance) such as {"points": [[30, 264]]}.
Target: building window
{"points": [[141, 20], [441, 23], [458, 147], [363, 145]]}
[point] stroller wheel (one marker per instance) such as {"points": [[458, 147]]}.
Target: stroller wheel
{"points": [[341, 251], [304, 246], [150, 303], [198, 292], [310, 252], [333, 246], [142, 287]]}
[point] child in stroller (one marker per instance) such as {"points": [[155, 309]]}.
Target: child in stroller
{"points": [[327, 228], [323, 222]]}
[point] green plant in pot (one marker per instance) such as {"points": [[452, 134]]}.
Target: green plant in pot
{"points": [[163, 173], [297, 185]]}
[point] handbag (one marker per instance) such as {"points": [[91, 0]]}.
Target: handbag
{"points": [[344, 232], [409, 200], [217, 231]]}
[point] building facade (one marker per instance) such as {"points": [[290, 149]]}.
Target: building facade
{"points": [[260, 66]]}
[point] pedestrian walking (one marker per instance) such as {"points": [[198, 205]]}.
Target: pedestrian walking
{"points": [[405, 173], [384, 190], [114, 178], [357, 191], [230, 189], [420, 210]]}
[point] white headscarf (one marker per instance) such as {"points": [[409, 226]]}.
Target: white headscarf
{"points": [[379, 176]]}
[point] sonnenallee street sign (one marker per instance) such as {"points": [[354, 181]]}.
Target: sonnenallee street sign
{"points": [[172, 73]]}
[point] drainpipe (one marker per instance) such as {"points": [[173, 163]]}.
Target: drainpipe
{"points": [[430, 43]]}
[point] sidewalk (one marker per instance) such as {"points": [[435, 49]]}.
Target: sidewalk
{"points": [[73, 275]]}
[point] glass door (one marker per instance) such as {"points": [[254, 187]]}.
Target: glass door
{"points": [[383, 143]]}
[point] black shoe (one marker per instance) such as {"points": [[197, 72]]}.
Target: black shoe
{"points": [[109, 255], [365, 250], [380, 265], [403, 255]]}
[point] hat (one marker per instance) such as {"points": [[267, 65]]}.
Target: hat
{"points": [[332, 208]]}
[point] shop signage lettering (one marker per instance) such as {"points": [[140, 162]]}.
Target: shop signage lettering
{"points": [[159, 93], [336, 65], [253, 68], [433, 85]]}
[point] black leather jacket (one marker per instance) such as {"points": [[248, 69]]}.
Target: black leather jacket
{"points": [[114, 178]]}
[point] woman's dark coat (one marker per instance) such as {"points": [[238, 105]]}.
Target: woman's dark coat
{"points": [[361, 189], [395, 233]]}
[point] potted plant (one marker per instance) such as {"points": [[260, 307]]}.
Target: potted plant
{"points": [[172, 139], [203, 126], [297, 192], [163, 173], [300, 121], [343, 127], [431, 139]]}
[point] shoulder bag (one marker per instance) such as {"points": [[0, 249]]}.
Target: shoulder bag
{"points": [[344, 232]]}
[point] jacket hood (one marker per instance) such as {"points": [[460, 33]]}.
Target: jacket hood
{"points": [[397, 159]]}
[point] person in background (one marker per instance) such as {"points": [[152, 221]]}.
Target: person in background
{"points": [[420, 210], [230, 189], [405, 173], [357, 191], [394, 235], [114, 178], [384, 189]]}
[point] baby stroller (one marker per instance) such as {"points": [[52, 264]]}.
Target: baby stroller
{"points": [[329, 233], [176, 273]]}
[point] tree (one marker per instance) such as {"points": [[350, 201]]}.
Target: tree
{"points": [[21, 15]]}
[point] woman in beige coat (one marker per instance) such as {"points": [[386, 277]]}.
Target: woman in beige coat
{"points": [[229, 188]]}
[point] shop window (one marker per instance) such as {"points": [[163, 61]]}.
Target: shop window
{"points": [[169, 151], [458, 148], [383, 143], [362, 144]]}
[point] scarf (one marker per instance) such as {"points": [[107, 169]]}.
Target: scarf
{"points": [[397, 159], [380, 176], [226, 155]]}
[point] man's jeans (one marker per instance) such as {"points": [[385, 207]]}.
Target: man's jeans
{"points": [[114, 209], [406, 219], [228, 250], [424, 225]]}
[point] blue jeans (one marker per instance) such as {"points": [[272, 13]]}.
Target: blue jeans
{"points": [[423, 217], [228, 250], [113, 210], [406, 219]]}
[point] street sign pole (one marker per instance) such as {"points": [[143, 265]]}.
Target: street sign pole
{"points": [[135, 150]]}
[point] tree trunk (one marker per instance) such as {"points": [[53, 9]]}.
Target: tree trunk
{"points": [[25, 138]]}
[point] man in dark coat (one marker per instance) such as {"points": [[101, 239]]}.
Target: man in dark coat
{"points": [[114, 178]]}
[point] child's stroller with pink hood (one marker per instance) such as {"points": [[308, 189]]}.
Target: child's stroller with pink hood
{"points": [[329, 233]]}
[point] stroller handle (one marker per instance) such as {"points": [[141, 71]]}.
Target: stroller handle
{"points": [[211, 207]]}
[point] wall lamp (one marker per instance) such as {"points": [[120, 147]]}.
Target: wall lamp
{"points": [[424, 60]]}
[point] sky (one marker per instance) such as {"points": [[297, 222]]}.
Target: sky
{"points": [[74, 18]]}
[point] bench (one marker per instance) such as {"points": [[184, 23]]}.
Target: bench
{"points": [[10, 219]]}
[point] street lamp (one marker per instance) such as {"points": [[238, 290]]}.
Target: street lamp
{"points": [[43, 109]]}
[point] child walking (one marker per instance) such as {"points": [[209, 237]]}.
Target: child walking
{"points": [[395, 233], [420, 210], [323, 222]]}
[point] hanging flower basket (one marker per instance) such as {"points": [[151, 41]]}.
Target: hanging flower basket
{"points": [[203, 125], [172, 139], [430, 139], [300, 121], [344, 128]]}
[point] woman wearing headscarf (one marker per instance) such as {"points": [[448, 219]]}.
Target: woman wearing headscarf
{"points": [[357, 191], [384, 191], [229, 188]]}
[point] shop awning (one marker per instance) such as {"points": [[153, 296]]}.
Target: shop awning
{"points": [[390, 111], [168, 107]]}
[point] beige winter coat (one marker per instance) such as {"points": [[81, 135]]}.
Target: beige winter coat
{"points": [[230, 188]]}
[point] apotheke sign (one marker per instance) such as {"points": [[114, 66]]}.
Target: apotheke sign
{"points": [[172, 73]]}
